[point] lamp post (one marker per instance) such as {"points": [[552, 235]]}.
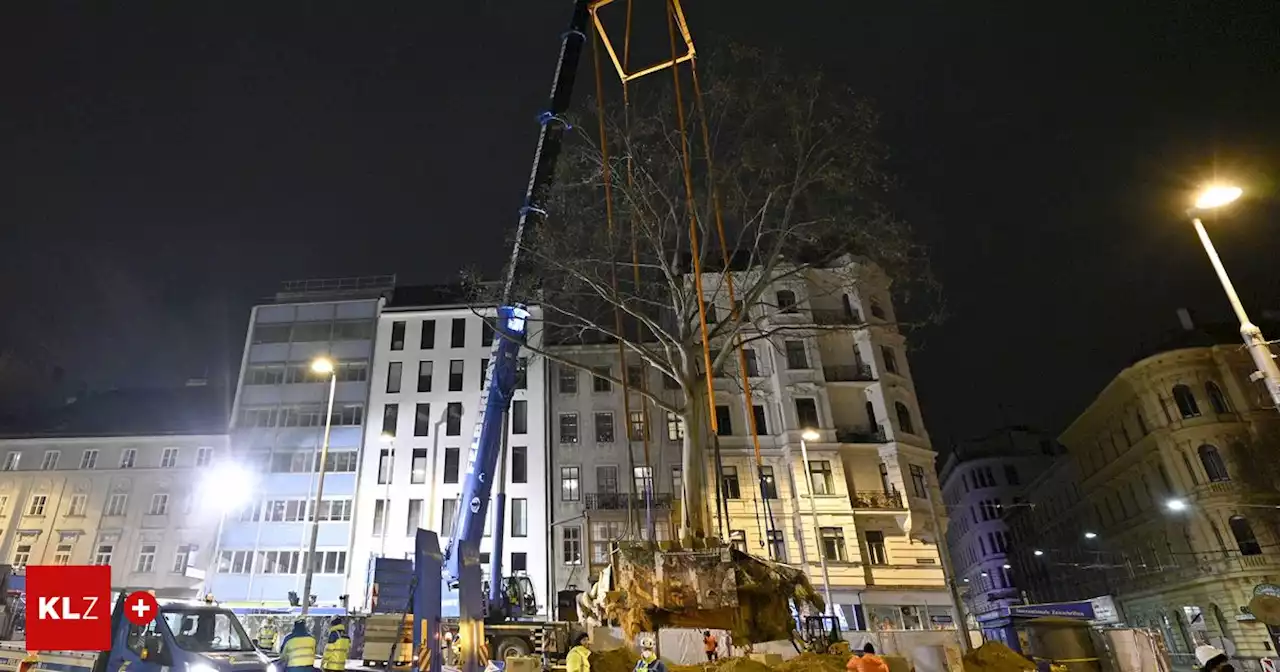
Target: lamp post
{"points": [[390, 440], [811, 435], [321, 365], [1211, 198]]}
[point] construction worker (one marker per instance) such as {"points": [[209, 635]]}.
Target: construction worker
{"points": [[577, 661], [267, 636], [298, 650], [867, 662], [709, 645], [649, 661], [336, 647]]}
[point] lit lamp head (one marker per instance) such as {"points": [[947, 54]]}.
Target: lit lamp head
{"points": [[810, 435], [1037, 552], [322, 365], [387, 437], [1176, 504], [1216, 196], [1090, 535]]}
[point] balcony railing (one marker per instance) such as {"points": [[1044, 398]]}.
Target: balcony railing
{"points": [[833, 317], [861, 435], [617, 501], [874, 499], [848, 373]]}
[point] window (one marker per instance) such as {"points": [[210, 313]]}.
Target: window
{"points": [[117, 504], [37, 505], [453, 419], [777, 546], [768, 484], [823, 480], [807, 413], [103, 555], [568, 428], [753, 362], [486, 333], [519, 517], [1186, 401], [669, 383], [675, 427], [1217, 400], [642, 480], [519, 562], [78, 505], [50, 460], [607, 480], [427, 341], [568, 380], [425, 370], [22, 555], [379, 517], [519, 464], [522, 373], [786, 301], [905, 422], [570, 484], [1011, 474], [918, 484], [1243, 532], [127, 458], [146, 559], [484, 371], [11, 461], [448, 516], [635, 376], [604, 427], [390, 414], [181, 556], [677, 483], [519, 417], [452, 464], [159, 504], [397, 335], [458, 336], [797, 358], [729, 483], [1214, 467], [571, 545], [456, 368], [418, 468], [414, 520], [169, 458], [384, 466], [760, 419], [204, 456], [395, 371], [724, 421], [738, 540], [885, 485], [876, 553], [598, 382], [638, 429], [422, 419], [833, 547]]}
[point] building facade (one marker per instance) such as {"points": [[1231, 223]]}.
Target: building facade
{"points": [[88, 486], [827, 357], [277, 427], [1167, 499], [982, 479], [429, 366]]}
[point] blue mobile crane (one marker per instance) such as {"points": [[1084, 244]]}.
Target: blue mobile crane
{"points": [[449, 583]]}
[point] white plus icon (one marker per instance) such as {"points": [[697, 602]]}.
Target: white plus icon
{"points": [[141, 608]]}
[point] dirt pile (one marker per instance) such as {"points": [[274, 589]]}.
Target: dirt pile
{"points": [[722, 665], [621, 659], [996, 657], [814, 662]]}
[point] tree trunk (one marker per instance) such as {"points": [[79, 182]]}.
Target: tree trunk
{"points": [[695, 519]]}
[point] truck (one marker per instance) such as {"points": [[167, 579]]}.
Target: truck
{"points": [[189, 635]]}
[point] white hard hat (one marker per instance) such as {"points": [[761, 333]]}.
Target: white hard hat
{"points": [[1206, 653]]}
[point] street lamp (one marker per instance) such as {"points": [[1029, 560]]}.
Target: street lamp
{"points": [[1176, 505], [1090, 535], [1217, 196], [812, 435], [322, 366]]}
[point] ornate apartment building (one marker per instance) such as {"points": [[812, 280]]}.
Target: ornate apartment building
{"points": [[1166, 500], [828, 359]]}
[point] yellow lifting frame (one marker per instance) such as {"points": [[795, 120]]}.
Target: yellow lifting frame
{"points": [[681, 25]]}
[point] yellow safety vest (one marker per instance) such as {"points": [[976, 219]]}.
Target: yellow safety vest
{"points": [[267, 638], [300, 652], [335, 654]]}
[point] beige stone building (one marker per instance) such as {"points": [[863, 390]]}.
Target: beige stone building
{"points": [[829, 359], [1166, 499]]}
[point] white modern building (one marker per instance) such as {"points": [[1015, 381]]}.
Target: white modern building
{"points": [[430, 359], [827, 357], [119, 479]]}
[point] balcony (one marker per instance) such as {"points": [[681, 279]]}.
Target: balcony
{"points": [[618, 501], [833, 317], [848, 374], [874, 499], [861, 435]]}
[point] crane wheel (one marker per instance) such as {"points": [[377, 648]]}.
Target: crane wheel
{"points": [[511, 646]]}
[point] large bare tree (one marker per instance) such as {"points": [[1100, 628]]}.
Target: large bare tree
{"points": [[794, 165]]}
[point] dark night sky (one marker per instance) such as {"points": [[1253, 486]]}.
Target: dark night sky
{"points": [[164, 164]]}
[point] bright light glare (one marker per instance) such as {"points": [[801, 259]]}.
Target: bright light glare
{"points": [[1038, 552], [322, 365], [388, 437], [1090, 535], [1216, 196], [1176, 505], [1007, 566], [810, 435], [228, 486]]}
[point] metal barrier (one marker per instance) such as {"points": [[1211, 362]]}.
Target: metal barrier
{"points": [[12, 654]]}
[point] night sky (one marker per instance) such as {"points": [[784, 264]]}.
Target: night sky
{"points": [[165, 164]]}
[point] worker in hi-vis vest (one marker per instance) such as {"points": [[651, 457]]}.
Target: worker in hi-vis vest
{"points": [[337, 647], [267, 636], [298, 650]]}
